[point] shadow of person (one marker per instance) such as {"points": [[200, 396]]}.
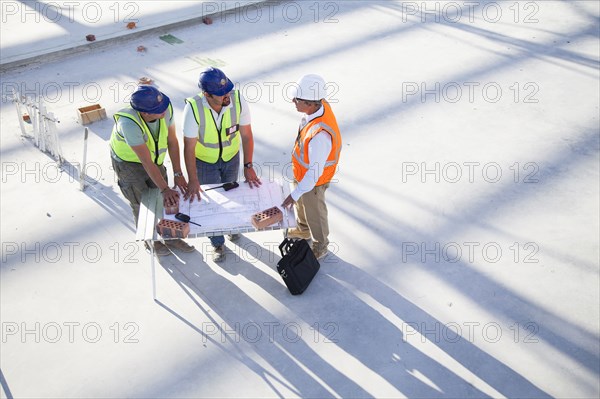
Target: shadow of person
{"points": [[4, 384], [362, 335], [492, 371], [251, 330]]}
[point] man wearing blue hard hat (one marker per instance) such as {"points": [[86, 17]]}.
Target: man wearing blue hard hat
{"points": [[216, 123], [142, 135]]}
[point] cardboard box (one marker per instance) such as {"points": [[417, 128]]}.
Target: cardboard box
{"points": [[91, 114]]}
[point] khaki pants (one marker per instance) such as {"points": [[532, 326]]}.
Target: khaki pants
{"points": [[133, 182], [312, 215]]}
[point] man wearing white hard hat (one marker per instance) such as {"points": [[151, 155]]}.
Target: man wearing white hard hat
{"points": [[314, 162]]}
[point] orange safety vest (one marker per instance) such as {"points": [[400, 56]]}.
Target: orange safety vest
{"points": [[300, 160]]}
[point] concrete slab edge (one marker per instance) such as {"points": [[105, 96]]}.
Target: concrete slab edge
{"points": [[127, 36]]}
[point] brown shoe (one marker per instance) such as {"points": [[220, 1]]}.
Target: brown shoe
{"points": [[159, 249], [218, 253], [233, 237], [319, 251], [180, 245], [297, 233]]}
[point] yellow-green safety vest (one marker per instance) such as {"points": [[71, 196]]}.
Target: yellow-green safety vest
{"points": [[158, 148], [214, 143]]}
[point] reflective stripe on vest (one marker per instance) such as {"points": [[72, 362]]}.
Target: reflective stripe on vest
{"points": [[300, 160], [214, 143], [124, 151]]}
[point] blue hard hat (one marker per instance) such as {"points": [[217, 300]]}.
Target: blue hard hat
{"points": [[213, 81], [148, 99]]}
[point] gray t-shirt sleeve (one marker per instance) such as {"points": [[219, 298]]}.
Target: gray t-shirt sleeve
{"points": [[132, 132], [170, 119]]}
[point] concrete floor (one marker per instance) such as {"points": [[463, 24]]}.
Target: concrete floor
{"points": [[464, 219]]}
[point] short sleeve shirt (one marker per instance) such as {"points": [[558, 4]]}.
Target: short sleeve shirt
{"points": [[133, 134], [190, 127]]}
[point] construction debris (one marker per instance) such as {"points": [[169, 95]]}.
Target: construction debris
{"points": [[91, 114], [145, 81]]}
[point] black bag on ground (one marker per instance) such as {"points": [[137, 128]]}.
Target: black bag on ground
{"points": [[298, 265]]}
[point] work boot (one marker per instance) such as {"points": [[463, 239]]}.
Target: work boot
{"points": [[297, 233], [160, 249], [180, 245], [319, 250], [218, 253], [233, 237]]}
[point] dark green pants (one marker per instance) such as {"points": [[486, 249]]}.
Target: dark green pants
{"points": [[134, 181]]}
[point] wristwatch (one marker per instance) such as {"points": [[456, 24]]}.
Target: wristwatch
{"points": [[248, 165]]}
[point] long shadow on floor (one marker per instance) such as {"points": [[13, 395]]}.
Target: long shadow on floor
{"points": [[372, 339], [243, 314], [344, 342], [4, 385]]}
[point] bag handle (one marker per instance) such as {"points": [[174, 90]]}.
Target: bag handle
{"points": [[283, 244], [286, 246]]}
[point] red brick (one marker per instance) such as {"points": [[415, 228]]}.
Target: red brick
{"points": [[265, 218], [172, 229], [172, 209]]}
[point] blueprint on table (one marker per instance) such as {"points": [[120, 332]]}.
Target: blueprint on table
{"points": [[221, 212]]}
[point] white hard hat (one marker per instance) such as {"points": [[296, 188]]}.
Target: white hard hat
{"points": [[310, 87]]}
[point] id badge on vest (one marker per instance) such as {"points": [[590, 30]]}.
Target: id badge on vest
{"points": [[231, 130]]}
